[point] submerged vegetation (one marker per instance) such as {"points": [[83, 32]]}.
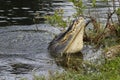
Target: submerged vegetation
{"points": [[57, 19]]}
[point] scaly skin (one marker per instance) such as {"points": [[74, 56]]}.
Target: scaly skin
{"points": [[70, 41]]}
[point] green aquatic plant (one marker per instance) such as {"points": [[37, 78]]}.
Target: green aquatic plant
{"points": [[56, 19], [118, 11], [118, 15], [79, 6], [93, 3], [39, 77]]}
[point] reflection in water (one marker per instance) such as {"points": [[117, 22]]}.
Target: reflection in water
{"points": [[17, 11], [23, 12], [20, 12]]}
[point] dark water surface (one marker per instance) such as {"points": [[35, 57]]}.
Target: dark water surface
{"points": [[22, 12], [23, 46]]}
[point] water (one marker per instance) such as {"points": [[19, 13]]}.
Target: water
{"points": [[23, 51], [23, 42], [23, 12]]}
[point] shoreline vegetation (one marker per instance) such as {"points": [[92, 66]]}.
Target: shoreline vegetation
{"points": [[105, 36]]}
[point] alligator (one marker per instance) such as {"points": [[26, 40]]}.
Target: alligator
{"points": [[69, 41]]}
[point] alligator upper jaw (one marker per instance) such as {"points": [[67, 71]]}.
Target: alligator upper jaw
{"points": [[76, 43]]}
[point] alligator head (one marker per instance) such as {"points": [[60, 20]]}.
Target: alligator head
{"points": [[70, 41]]}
